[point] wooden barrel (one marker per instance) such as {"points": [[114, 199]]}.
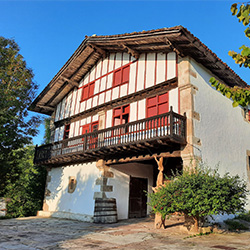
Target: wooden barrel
{"points": [[105, 210]]}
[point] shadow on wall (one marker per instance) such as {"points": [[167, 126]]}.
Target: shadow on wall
{"points": [[54, 186], [120, 184], [81, 200]]}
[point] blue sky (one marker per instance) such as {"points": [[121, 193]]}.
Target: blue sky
{"points": [[48, 32]]}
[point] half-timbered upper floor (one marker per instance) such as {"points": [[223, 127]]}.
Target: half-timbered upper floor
{"points": [[114, 94]]}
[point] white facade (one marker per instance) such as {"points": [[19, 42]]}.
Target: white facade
{"points": [[223, 130], [61, 203]]}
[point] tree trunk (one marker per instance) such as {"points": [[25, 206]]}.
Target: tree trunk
{"points": [[196, 224], [159, 221], [192, 222]]}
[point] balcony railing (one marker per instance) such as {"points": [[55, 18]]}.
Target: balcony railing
{"points": [[169, 127]]}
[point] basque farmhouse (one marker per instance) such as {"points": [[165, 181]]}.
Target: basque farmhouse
{"points": [[123, 103]]}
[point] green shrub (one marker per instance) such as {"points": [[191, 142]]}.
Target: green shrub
{"points": [[6, 217], [200, 192], [244, 216], [235, 225]]}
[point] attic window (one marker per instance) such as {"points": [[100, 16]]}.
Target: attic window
{"points": [[88, 91], [121, 76]]}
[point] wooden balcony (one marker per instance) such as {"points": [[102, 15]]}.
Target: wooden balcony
{"points": [[161, 133]]}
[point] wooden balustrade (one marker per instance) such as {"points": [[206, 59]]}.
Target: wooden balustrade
{"points": [[170, 126]]}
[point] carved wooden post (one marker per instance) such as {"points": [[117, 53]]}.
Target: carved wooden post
{"points": [[159, 222], [171, 121]]}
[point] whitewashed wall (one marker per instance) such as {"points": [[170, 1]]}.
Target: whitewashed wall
{"points": [[80, 202], [121, 181], [150, 69], [222, 129]]}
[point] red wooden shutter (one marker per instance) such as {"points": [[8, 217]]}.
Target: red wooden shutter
{"points": [[125, 74], [117, 77], [85, 129], [91, 89], [157, 105], [152, 106], [85, 92], [163, 104]]}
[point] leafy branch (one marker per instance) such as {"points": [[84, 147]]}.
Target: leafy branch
{"points": [[239, 96]]}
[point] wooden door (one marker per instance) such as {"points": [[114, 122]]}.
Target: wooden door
{"points": [[137, 197]]}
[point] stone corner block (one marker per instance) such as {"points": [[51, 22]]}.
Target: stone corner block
{"points": [[99, 195]]}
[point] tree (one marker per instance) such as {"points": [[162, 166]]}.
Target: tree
{"points": [[240, 96], [46, 137], [27, 192], [200, 192], [17, 90]]}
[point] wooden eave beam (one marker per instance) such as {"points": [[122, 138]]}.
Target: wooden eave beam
{"points": [[132, 52], [71, 82], [58, 91], [173, 47], [46, 107], [100, 51], [64, 84], [83, 63]]}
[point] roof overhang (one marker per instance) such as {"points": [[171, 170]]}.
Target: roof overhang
{"points": [[93, 48]]}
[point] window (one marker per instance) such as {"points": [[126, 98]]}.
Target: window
{"points": [[157, 105], [94, 126], [66, 131], [121, 76], [121, 115], [91, 127], [85, 129], [88, 91], [92, 140]]}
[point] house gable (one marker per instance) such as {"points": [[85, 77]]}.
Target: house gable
{"points": [[92, 49], [104, 83]]}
